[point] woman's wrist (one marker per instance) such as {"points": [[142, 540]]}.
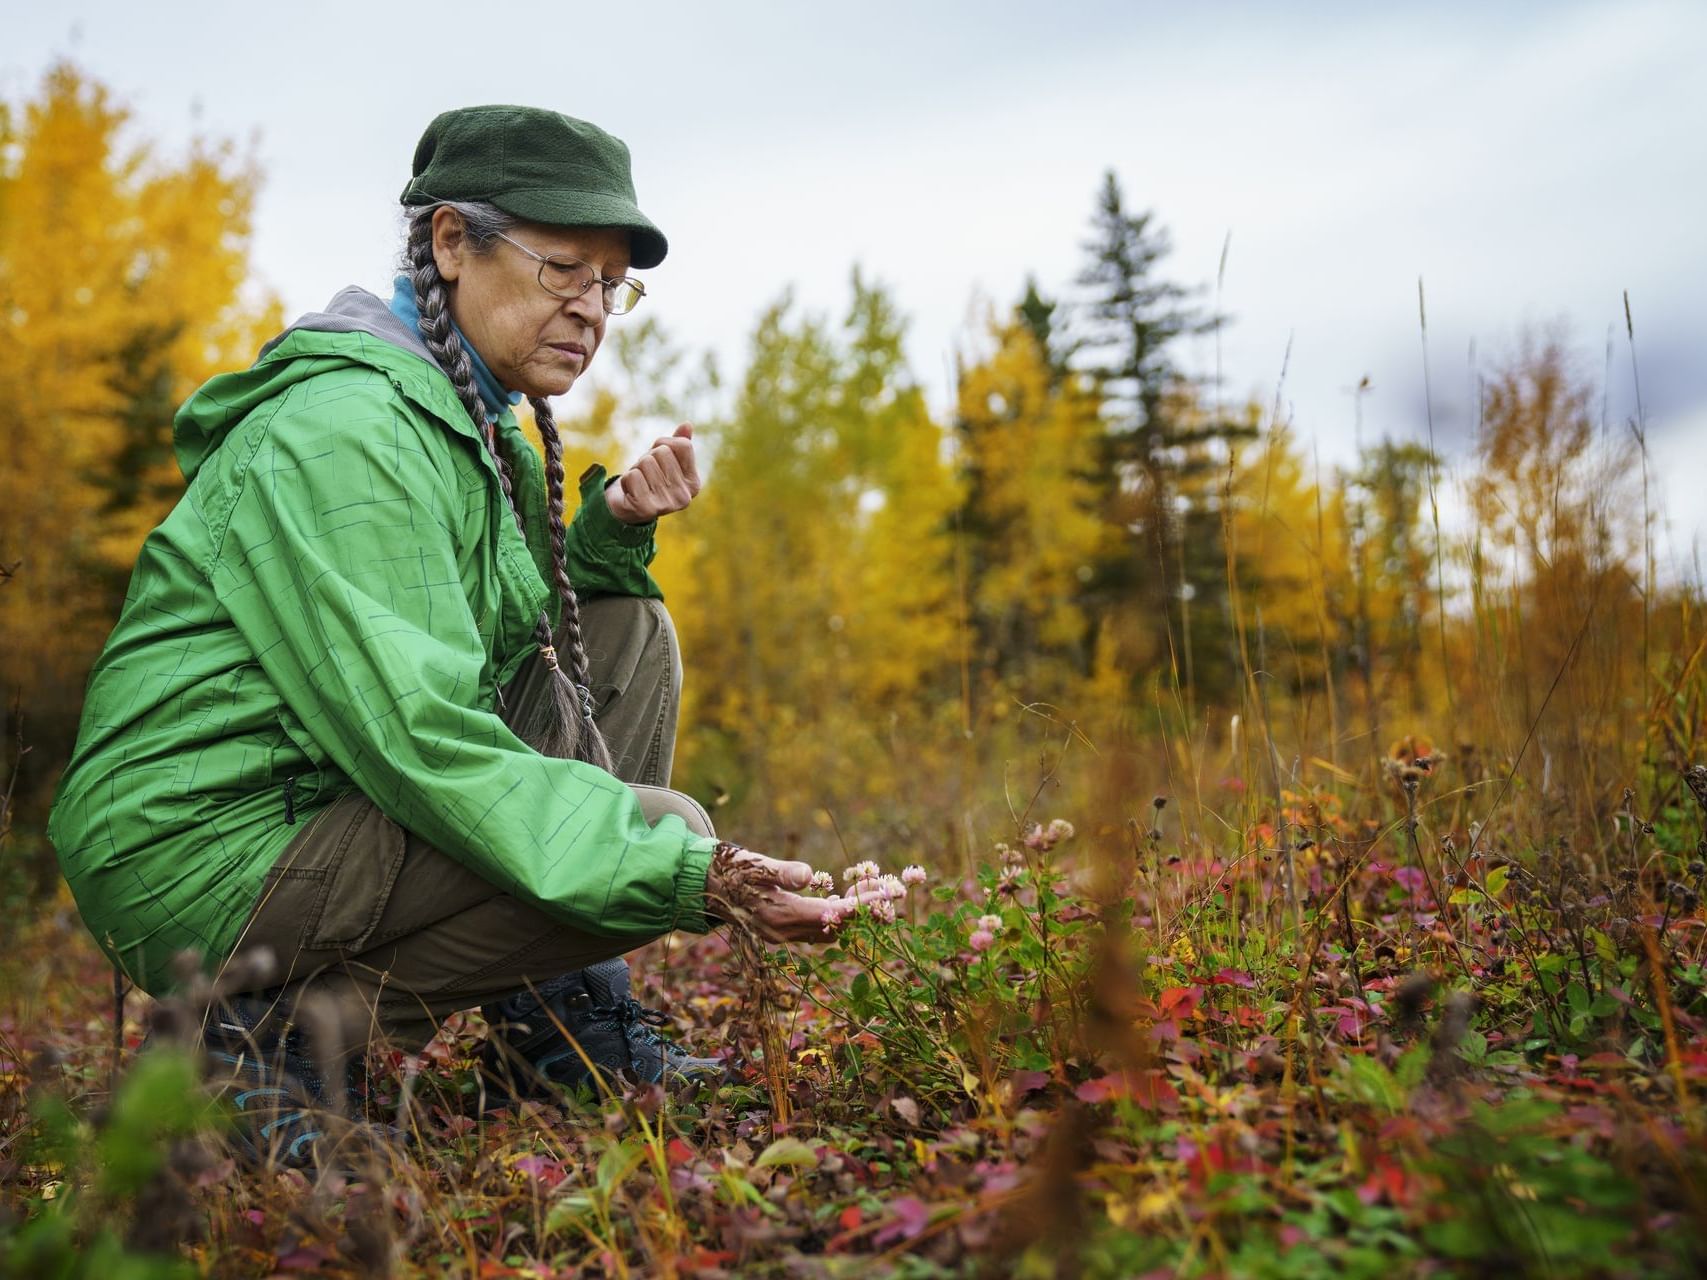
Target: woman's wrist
{"points": [[721, 857]]}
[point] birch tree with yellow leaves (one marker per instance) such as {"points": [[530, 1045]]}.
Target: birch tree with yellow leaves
{"points": [[122, 278]]}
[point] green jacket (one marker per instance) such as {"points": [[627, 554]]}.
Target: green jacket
{"points": [[332, 605]]}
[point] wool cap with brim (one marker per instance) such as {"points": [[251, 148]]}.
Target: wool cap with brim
{"points": [[540, 165]]}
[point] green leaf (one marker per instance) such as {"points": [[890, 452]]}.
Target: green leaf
{"points": [[1371, 1082], [787, 1151], [159, 1100], [1496, 880], [567, 1212], [1603, 948], [617, 1162]]}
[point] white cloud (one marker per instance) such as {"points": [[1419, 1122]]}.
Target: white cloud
{"points": [[1528, 161]]}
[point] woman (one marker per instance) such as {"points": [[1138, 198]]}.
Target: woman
{"points": [[354, 710]]}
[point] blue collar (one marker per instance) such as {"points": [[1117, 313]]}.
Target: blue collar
{"points": [[492, 395]]}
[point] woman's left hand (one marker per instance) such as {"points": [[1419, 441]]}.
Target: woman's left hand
{"points": [[665, 479]]}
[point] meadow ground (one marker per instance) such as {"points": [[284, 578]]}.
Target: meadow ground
{"points": [[1382, 1041]]}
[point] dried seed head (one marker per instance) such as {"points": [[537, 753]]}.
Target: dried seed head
{"points": [[1695, 777], [1410, 996]]}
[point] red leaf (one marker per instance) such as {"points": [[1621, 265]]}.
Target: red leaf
{"points": [[1146, 1088], [1385, 1180], [1029, 1081], [1179, 1002], [542, 1169], [911, 1217], [678, 1152], [851, 1217], [1099, 1090]]}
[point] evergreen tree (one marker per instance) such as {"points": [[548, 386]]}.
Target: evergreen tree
{"points": [[1037, 313], [1164, 461]]}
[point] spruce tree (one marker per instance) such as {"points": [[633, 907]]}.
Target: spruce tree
{"points": [[1164, 586]]}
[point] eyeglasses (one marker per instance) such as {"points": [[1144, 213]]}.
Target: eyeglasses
{"points": [[570, 278]]}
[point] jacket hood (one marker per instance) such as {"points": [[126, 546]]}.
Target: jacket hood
{"points": [[356, 328]]}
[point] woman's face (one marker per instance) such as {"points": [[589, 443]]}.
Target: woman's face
{"points": [[533, 341]]}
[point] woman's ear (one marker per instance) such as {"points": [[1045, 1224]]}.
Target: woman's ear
{"points": [[449, 242]]}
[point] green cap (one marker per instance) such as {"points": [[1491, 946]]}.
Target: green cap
{"points": [[539, 165]]}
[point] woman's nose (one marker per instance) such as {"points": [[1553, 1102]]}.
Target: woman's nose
{"points": [[589, 306]]}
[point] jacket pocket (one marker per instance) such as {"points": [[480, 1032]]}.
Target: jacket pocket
{"points": [[361, 867]]}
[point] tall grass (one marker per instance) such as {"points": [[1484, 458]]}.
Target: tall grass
{"points": [[1391, 963]]}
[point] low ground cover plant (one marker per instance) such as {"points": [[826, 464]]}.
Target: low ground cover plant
{"points": [[1321, 1044]]}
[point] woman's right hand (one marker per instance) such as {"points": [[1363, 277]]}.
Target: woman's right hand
{"points": [[762, 890]]}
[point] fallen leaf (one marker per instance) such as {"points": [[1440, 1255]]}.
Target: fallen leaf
{"points": [[787, 1151]]}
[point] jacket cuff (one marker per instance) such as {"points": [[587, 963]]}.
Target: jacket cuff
{"points": [[690, 885], [600, 524]]}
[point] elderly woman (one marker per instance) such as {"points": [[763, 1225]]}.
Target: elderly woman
{"points": [[356, 712]]}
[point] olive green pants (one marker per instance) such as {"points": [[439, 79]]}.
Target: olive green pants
{"points": [[398, 934]]}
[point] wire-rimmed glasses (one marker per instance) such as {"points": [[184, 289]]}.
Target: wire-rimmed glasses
{"points": [[570, 278]]}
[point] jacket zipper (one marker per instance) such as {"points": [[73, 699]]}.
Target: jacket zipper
{"points": [[290, 800]]}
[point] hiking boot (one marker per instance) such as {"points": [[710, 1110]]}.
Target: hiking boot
{"points": [[614, 1036], [654, 1058], [285, 1110]]}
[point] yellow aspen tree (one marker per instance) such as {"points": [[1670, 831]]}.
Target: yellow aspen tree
{"points": [[817, 616], [1028, 444], [121, 289]]}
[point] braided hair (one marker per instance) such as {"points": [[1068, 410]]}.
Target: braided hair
{"points": [[569, 732]]}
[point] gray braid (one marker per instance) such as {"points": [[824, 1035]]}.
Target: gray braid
{"points": [[570, 731], [547, 425]]}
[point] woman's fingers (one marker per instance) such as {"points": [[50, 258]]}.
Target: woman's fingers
{"points": [[664, 479], [788, 917], [781, 915], [867, 891], [680, 446], [794, 875], [669, 463]]}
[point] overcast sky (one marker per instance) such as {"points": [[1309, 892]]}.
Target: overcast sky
{"points": [[1529, 162]]}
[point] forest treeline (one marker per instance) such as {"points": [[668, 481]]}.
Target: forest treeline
{"points": [[894, 618]]}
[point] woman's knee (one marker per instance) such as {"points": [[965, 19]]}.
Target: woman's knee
{"points": [[656, 802], [630, 643]]}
